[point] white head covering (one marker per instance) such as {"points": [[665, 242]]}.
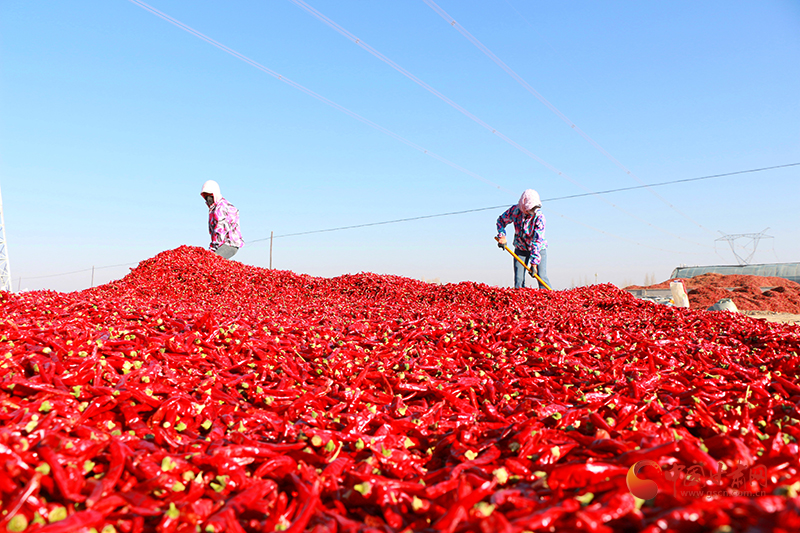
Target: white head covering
{"points": [[529, 200], [211, 187]]}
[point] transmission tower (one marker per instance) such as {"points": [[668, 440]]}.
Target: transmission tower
{"points": [[754, 238], [5, 265]]}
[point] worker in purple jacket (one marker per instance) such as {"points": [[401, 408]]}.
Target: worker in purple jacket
{"points": [[223, 222], [529, 242]]}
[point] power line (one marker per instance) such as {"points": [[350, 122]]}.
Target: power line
{"points": [[251, 62], [421, 217], [321, 98], [77, 271], [463, 31], [686, 180], [462, 213], [555, 199], [309, 92], [302, 4], [466, 211]]}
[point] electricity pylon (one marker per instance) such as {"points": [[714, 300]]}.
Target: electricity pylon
{"points": [[5, 265], [754, 238]]}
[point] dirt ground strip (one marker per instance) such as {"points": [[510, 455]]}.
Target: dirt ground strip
{"points": [[769, 316]]}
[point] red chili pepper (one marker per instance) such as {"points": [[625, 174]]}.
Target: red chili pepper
{"points": [[69, 486], [175, 397], [75, 522]]}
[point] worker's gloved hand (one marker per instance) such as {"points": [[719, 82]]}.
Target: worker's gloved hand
{"points": [[501, 241], [534, 268]]}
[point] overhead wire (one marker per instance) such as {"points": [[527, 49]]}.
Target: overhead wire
{"points": [[549, 200], [673, 182], [339, 29], [81, 271], [499, 62], [422, 217], [466, 211], [57, 275], [309, 92], [77, 271], [321, 98]]}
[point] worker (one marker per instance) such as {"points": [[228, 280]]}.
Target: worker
{"points": [[529, 242], [223, 222]]}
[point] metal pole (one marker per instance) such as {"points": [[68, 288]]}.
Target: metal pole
{"points": [[6, 284], [270, 249], [92, 275], [19, 287]]}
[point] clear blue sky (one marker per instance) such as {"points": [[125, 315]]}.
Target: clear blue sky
{"points": [[113, 118]]}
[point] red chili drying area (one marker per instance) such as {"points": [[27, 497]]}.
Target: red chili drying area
{"points": [[199, 394], [749, 293]]}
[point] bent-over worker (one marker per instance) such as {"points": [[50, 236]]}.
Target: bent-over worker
{"points": [[529, 242], [223, 222]]}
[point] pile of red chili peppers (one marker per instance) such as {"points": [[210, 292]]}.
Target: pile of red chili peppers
{"points": [[751, 293], [198, 394]]}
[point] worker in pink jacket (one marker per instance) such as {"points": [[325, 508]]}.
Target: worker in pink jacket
{"points": [[529, 242], [223, 222]]}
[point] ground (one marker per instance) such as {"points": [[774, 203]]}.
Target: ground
{"points": [[769, 316]]}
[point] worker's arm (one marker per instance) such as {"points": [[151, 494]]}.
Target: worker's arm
{"points": [[538, 241], [502, 221]]}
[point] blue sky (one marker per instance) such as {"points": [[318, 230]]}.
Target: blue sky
{"points": [[113, 118]]}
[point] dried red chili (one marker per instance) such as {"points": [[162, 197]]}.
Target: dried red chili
{"points": [[202, 393]]}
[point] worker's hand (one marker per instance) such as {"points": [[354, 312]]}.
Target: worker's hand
{"points": [[501, 240], [534, 268]]}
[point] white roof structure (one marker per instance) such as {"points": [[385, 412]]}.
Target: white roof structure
{"points": [[790, 271]]}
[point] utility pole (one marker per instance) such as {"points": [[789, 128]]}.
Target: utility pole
{"points": [[5, 265]]}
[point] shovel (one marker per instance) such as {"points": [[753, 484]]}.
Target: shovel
{"points": [[531, 272]]}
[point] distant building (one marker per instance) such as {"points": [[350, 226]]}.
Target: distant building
{"points": [[790, 271]]}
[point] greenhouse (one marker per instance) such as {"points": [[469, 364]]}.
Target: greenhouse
{"points": [[790, 271]]}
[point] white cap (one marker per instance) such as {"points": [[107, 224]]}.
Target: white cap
{"points": [[211, 187], [529, 200]]}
